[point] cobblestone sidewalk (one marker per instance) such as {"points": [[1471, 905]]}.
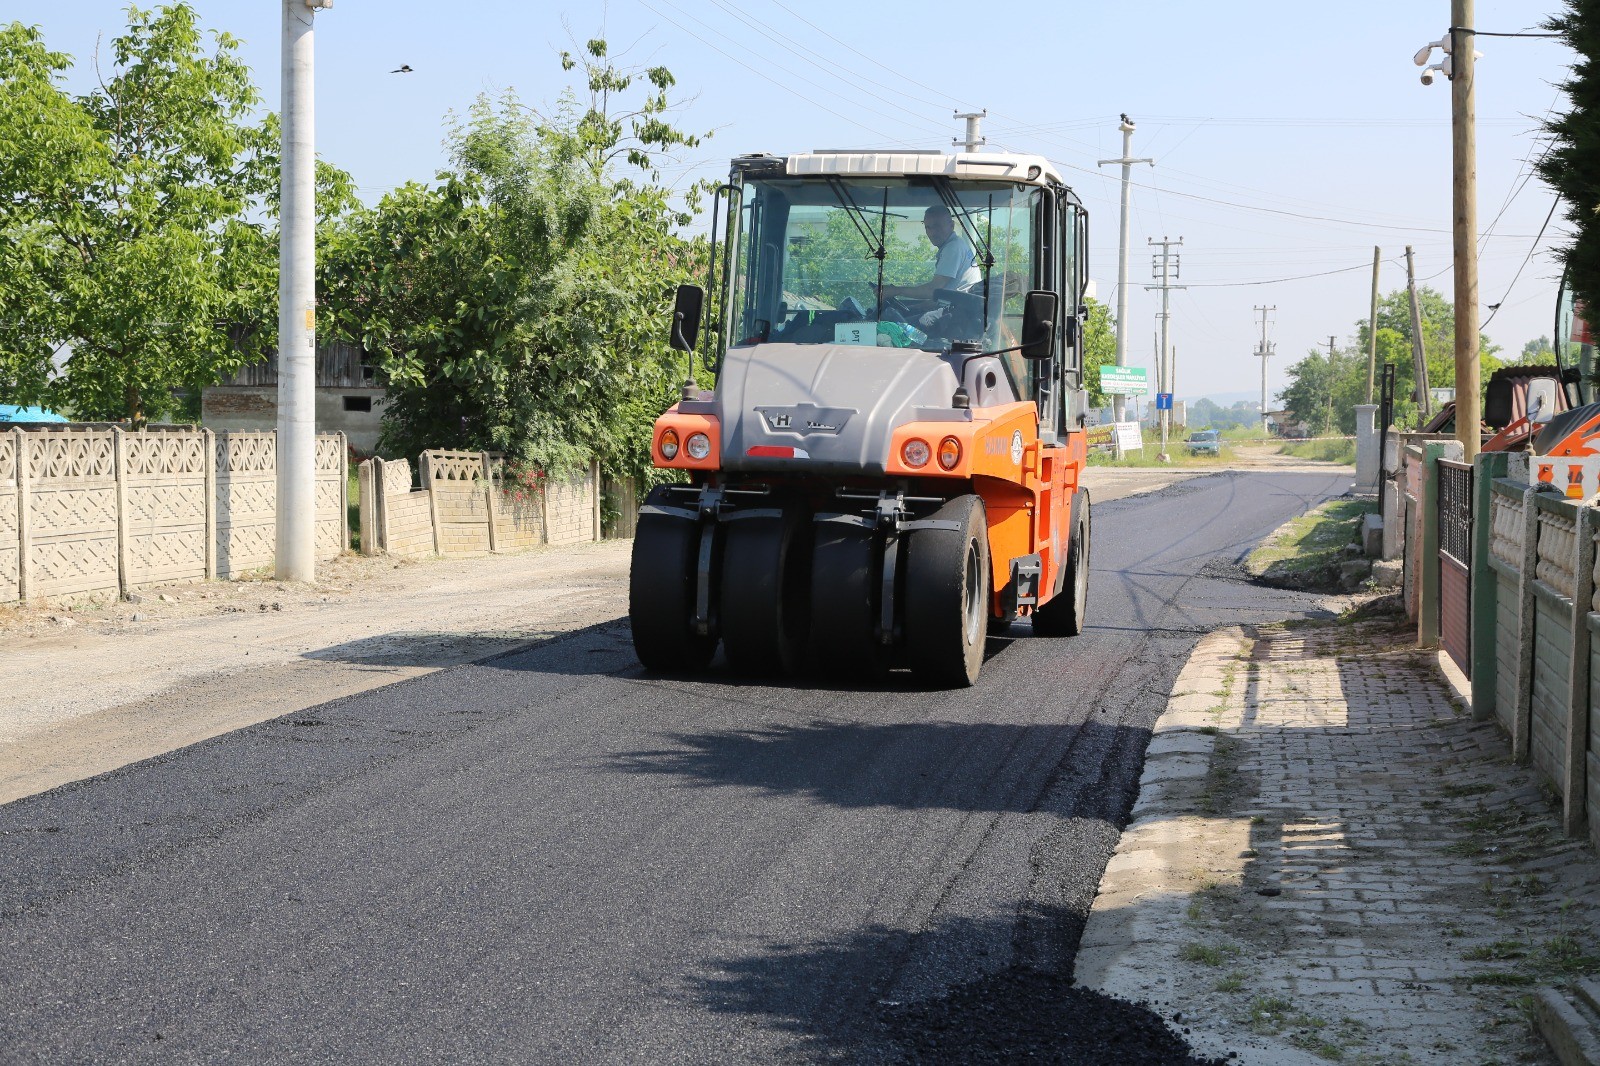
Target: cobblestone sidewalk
{"points": [[1329, 861]]}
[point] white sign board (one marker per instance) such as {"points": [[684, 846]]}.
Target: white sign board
{"points": [[1129, 438]]}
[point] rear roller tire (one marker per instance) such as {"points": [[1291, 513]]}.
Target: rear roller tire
{"points": [[1066, 614], [946, 595], [661, 583], [765, 582], [844, 602]]}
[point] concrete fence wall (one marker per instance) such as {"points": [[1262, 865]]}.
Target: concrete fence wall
{"points": [[466, 506], [1536, 669], [107, 511]]}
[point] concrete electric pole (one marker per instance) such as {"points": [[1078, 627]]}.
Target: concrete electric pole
{"points": [[1118, 401], [1419, 354], [1372, 326], [1264, 350], [973, 140], [1464, 160], [1165, 267], [297, 334]]}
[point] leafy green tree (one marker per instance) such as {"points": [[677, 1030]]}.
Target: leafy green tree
{"points": [[1324, 390], [1572, 166], [132, 225], [1539, 350], [1099, 349], [520, 304]]}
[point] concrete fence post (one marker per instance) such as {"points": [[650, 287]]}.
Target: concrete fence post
{"points": [[1485, 586], [1367, 457], [208, 440], [1522, 716], [367, 492], [1575, 756], [489, 501], [344, 492], [24, 519], [119, 469], [594, 483], [433, 504]]}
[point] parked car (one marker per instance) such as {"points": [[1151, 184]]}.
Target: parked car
{"points": [[1204, 442]]}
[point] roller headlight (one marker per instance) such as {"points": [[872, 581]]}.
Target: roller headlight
{"points": [[669, 444], [699, 446], [916, 453]]}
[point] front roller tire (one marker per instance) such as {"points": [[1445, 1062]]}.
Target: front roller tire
{"points": [[661, 580], [765, 581], [947, 595], [1066, 614], [844, 602]]}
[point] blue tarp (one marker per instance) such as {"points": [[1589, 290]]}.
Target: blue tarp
{"points": [[10, 413]]}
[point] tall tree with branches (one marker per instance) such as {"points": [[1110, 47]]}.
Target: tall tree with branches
{"points": [[1572, 166]]}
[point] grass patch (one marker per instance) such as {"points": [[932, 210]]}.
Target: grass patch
{"points": [[1461, 791], [1234, 982], [1307, 552], [1208, 954], [1501, 979], [1499, 951], [1322, 451]]}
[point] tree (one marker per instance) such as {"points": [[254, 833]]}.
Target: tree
{"points": [[1572, 166], [132, 226], [1099, 349], [520, 304], [1324, 390], [1539, 350]]}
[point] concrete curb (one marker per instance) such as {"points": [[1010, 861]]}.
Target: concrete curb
{"points": [[1169, 852]]}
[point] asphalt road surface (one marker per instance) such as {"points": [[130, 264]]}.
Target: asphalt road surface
{"points": [[553, 857]]}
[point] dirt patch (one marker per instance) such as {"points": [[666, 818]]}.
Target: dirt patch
{"points": [[1319, 551]]}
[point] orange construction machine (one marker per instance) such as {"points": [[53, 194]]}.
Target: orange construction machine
{"points": [[889, 466]]}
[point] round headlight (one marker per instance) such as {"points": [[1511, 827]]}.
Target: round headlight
{"points": [[949, 453], [669, 444], [916, 453], [699, 446]]}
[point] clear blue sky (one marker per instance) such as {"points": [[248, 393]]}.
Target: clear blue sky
{"points": [[1280, 111]]}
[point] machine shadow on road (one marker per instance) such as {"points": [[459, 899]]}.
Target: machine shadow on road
{"points": [[949, 993], [963, 766]]}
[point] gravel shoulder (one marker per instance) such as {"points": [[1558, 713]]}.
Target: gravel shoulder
{"points": [[94, 686]]}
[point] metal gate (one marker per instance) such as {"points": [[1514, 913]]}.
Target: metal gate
{"points": [[1455, 558]]}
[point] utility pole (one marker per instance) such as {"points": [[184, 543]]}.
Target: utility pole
{"points": [[295, 550], [1165, 267], [1419, 354], [973, 139], [1331, 353], [1464, 187], [1118, 400], [1264, 351], [1372, 325]]}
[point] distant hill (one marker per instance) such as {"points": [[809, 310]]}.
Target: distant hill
{"points": [[1226, 399]]}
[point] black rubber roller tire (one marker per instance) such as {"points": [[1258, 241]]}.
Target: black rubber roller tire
{"points": [[946, 598], [844, 602], [1066, 613], [661, 580], [766, 576]]}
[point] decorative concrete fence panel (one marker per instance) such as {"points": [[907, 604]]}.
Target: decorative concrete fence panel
{"points": [[166, 506], [247, 501], [10, 517], [463, 523], [68, 511], [102, 511], [1537, 566], [466, 507]]}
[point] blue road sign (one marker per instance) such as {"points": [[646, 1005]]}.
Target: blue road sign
{"points": [[1163, 401]]}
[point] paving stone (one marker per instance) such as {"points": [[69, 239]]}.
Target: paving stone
{"points": [[1352, 762]]}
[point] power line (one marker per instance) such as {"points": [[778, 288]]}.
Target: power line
{"points": [[1526, 260]]}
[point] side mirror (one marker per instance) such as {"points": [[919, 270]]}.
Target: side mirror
{"points": [[1541, 400], [1039, 323], [686, 317]]}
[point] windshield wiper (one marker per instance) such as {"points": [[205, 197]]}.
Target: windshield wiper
{"points": [[857, 216]]}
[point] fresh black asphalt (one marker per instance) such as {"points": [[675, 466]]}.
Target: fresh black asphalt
{"points": [[554, 857]]}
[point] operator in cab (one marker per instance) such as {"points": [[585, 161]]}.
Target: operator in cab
{"points": [[953, 267]]}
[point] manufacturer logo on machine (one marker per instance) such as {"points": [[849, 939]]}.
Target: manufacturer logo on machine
{"points": [[805, 419], [1016, 447]]}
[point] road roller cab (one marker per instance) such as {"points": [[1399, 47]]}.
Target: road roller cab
{"points": [[888, 468]]}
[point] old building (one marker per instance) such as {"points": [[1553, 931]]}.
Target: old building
{"points": [[349, 397]]}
